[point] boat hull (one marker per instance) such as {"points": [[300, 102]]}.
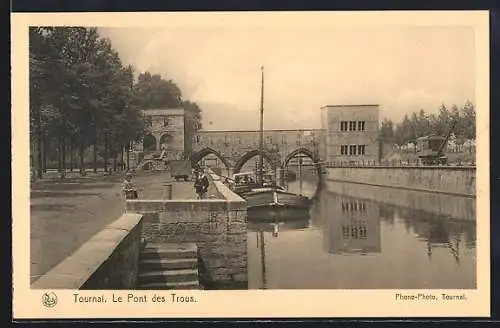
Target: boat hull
{"points": [[276, 199], [293, 200]]}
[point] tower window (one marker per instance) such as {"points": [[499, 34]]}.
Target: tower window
{"points": [[361, 149], [361, 125]]}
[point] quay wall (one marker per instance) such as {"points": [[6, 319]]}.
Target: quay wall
{"points": [[458, 181], [216, 225], [109, 260]]}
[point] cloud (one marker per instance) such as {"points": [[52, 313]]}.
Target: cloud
{"points": [[402, 68]]}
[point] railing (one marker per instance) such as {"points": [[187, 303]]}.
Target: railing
{"points": [[394, 163]]}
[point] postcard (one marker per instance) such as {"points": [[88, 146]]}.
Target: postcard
{"points": [[250, 164]]}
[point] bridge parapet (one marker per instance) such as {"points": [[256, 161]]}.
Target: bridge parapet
{"points": [[232, 145], [396, 163]]}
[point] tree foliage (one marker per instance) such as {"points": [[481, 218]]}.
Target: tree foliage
{"points": [[83, 97], [154, 92], [80, 94], [421, 123]]}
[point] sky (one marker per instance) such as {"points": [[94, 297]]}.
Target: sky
{"points": [[401, 68]]}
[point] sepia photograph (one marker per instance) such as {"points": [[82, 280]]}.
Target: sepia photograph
{"points": [[253, 153]]}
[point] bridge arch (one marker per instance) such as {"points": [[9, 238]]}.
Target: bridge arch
{"points": [[149, 142], [166, 140], [198, 156], [306, 152], [249, 155]]}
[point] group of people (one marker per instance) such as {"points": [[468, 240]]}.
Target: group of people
{"points": [[245, 180], [267, 180]]}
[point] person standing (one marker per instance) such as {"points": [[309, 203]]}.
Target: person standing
{"points": [[128, 187], [201, 185], [204, 183], [197, 184]]}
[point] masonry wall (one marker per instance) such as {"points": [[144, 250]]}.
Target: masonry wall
{"points": [[109, 260], [449, 180], [169, 136], [217, 226]]}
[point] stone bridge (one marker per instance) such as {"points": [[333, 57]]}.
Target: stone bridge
{"points": [[237, 148]]}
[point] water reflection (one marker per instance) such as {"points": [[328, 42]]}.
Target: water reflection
{"points": [[434, 230], [354, 242], [353, 226], [273, 221]]}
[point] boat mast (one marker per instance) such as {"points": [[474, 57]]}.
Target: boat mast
{"points": [[300, 174], [261, 135]]}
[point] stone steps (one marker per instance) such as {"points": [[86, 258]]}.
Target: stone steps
{"points": [[172, 285], [168, 275], [169, 266], [169, 251]]}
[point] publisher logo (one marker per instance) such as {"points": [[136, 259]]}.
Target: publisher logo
{"points": [[49, 299]]}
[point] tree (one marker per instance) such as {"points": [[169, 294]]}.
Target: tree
{"points": [[80, 93], [460, 128], [37, 88], [153, 92], [442, 122], [85, 80], [424, 125], [47, 77], [387, 130], [414, 126], [468, 115], [404, 132]]}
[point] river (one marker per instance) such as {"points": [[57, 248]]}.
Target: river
{"points": [[355, 238]]}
